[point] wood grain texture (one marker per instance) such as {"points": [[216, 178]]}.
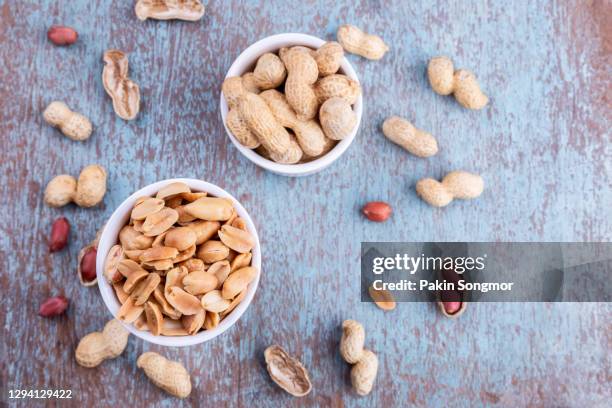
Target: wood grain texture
{"points": [[542, 146]]}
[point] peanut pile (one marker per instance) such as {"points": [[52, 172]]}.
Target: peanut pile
{"points": [[295, 106], [182, 263]]}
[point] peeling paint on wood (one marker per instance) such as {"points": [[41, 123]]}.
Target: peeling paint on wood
{"points": [[542, 146]]}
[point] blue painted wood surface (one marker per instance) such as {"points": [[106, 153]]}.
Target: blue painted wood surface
{"points": [[542, 146]]}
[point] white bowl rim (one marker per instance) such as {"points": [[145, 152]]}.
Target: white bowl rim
{"points": [[108, 239], [251, 54]]}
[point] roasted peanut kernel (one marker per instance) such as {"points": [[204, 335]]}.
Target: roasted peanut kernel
{"points": [[211, 208], [184, 216], [158, 254], [159, 222], [114, 256], [239, 223], [193, 323], [211, 320], [191, 197], [166, 308], [143, 290], [175, 278], [200, 282], [237, 281], [214, 302], [129, 312], [147, 207], [241, 261], [174, 202], [221, 271], [141, 322], [132, 239], [182, 301], [235, 302], [204, 230], [121, 294], [173, 189], [161, 265], [159, 240], [194, 264], [184, 255], [180, 238], [173, 328], [237, 239], [133, 273], [155, 320], [212, 251]]}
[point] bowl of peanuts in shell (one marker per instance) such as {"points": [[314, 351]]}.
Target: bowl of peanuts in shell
{"points": [[178, 262], [292, 103]]}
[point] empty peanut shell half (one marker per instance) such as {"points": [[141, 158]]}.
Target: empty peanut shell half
{"points": [[287, 372]]}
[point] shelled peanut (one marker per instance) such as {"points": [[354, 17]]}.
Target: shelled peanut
{"points": [[183, 262], [365, 362], [279, 108]]}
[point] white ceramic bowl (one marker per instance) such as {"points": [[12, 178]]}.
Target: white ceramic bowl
{"points": [[110, 237], [246, 62]]}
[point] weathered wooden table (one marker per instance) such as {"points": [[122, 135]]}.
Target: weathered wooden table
{"points": [[542, 146]]}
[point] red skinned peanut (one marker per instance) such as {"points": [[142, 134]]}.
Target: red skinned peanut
{"points": [[377, 211], [451, 307], [54, 306], [60, 230], [88, 264], [62, 35]]}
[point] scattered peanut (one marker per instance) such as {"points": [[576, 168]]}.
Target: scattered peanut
{"points": [[62, 35], [377, 211], [60, 190], [364, 373], [87, 192], [382, 298], [287, 372], [189, 10], [403, 133], [86, 269], [71, 124], [170, 278], [337, 118], [96, 347], [60, 231], [365, 361], [355, 41], [91, 186], [462, 83], [168, 375], [352, 341], [124, 92], [53, 306], [456, 184], [452, 309]]}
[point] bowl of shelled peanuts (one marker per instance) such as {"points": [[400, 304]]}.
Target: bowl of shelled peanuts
{"points": [[292, 103], [178, 262]]}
